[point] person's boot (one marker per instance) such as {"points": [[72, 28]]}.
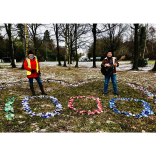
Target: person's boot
{"points": [[43, 93], [116, 94], [32, 90], [104, 94]]}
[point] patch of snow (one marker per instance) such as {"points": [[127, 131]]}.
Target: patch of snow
{"points": [[43, 130], [108, 121]]}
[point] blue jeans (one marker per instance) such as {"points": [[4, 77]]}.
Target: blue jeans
{"points": [[38, 80], [113, 78]]}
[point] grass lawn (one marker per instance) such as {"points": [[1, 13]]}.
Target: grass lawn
{"points": [[151, 62], [69, 120]]}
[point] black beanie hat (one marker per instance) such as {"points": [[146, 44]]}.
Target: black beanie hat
{"points": [[30, 52], [109, 52]]}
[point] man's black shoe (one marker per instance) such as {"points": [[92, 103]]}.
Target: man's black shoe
{"points": [[104, 93], [116, 94]]}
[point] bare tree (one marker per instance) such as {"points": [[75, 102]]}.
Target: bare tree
{"points": [[56, 27], [146, 35], [9, 33], [104, 30], [132, 42], [26, 39], [21, 34], [72, 34], [94, 46], [114, 36], [32, 30], [63, 37], [142, 40], [136, 50], [65, 56], [152, 34], [76, 45], [79, 38]]}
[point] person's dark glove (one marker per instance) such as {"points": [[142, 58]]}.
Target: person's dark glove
{"points": [[39, 73], [33, 70]]}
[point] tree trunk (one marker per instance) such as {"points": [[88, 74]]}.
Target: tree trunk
{"points": [[152, 44], [136, 52], [27, 39], [142, 40], [35, 46], [22, 65], [25, 43], [65, 56], [145, 47], [76, 45], [12, 48], [71, 50], [132, 45], [24, 49], [69, 40], [132, 60], [71, 54], [8, 30], [58, 54], [94, 46]]}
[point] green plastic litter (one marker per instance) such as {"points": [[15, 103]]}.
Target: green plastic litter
{"points": [[8, 99], [9, 108], [8, 118], [9, 103], [6, 105], [11, 99], [11, 115]]}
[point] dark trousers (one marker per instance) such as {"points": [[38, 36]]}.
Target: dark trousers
{"points": [[113, 78], [37, 79]]}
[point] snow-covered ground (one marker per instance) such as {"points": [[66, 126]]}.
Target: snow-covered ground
{"points": [[123, 65], [52, 71]]}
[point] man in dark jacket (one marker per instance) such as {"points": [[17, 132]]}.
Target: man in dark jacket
{"points": [[107, 62]]}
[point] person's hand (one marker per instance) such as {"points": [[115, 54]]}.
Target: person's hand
{"points": [[33, 70], [114, 64], [107, 64], [39, 73]]}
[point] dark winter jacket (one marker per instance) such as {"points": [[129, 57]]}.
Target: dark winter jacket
{"points": [[105, 61]]}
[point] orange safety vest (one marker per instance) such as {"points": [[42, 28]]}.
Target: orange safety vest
{"points": [[29, 66]]}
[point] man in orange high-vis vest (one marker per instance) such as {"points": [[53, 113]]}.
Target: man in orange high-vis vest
{"points": [[32, 66]]}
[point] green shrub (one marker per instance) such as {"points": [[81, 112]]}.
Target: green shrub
{"points": [[142, 62]]}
